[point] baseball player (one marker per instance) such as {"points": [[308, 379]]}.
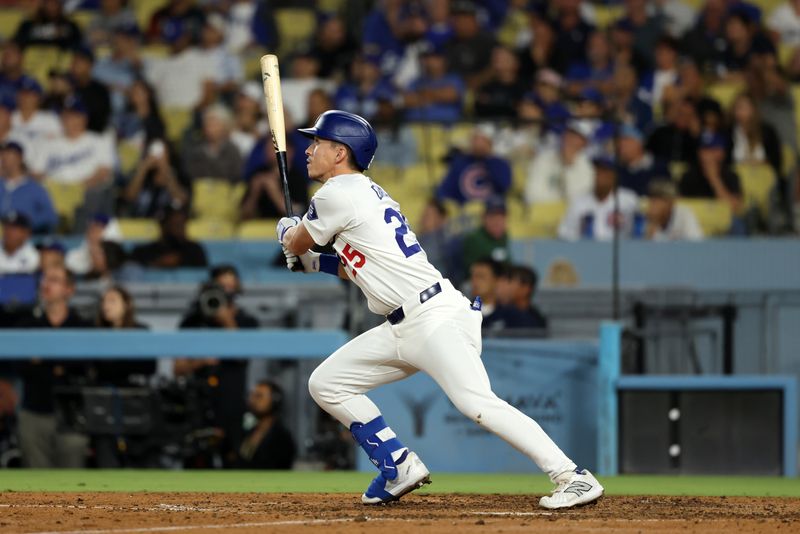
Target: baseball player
{"points": [[430, 326]]}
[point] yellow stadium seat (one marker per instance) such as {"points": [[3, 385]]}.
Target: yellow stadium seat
{"points": [[758, 181], [38, 61], [605, 16], [214, 198], [176, 120], [785, 53], [9, 21], [82, 18], [139, 229], [432, 139], [144, 10], [295, 26], [257, 230], [420, 177], [544, 219], [713, 215], [129, 155], [209, 229], [789, 157], [725, 92], [154, 51], [66, 198]]}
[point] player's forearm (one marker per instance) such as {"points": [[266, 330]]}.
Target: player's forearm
{"points": [[296, 242]]}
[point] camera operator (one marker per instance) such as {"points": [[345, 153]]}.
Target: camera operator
{"points": [[225, 381], [268, 445]]}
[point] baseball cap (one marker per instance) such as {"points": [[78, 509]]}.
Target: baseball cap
{"points": [[591, 94], [12, 145], [84, 52], [75, 104], [29, 84], [172, 29], [495, 204], [629, 130], [580, 127], [709, 139], [604, 160], [52, 244], [662, 188], [101, 218], [16, 218]]}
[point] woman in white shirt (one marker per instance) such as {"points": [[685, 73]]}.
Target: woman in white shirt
{"points": [[751, 139]]}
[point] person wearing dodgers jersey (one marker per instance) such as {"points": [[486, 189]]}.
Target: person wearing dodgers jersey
{"points": [[430, 326]]}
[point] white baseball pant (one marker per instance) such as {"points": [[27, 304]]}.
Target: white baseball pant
{"points": [[441, 337]]}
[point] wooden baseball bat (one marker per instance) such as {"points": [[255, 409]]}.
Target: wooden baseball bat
{"points": [[270, 73]]}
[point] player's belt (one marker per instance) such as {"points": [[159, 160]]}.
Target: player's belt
{"points": [[426, 294]]}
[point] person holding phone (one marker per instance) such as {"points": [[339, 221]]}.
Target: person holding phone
{"points": [[158, 181]]}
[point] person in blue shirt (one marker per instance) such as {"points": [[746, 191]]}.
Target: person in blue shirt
{"points": [[478, 174], [637, 167], [19, 193], [436, 95], [368, 86]]}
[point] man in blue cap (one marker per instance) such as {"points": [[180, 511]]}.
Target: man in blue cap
{"points": [[30, 121], [637, 167], [17, 254], [19, 193]]}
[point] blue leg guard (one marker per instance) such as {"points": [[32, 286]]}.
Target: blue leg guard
{"points": [[379, 450]]}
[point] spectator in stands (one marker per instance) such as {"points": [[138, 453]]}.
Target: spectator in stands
{"points": [[647, 28], [183, 13], [20, 193], [216, 307], [100, 253], [140, 119], [229, 72], [112, 17], [434, 237], [483, 275], [562, 173], [711, 176], [477, 174], [30, 122], [17, 254], [263, 28], [367, 85], [437, 95], [625, 103], [784, 21], [121, 68], [703, 42], [772, 94], [397, 141], [173, 249], [269, 444], [12, 72], [51, 254], [678, 16], [263, 198], [303, 79], [597, 71], [248, 125], [92, 93], [594, 215], [743, 41], [185, 79], [637, 167], [491, 239], [752, 140], [469, 51], [540, 53], [664, 74], [548, 93], [497, 97], [515, 311], [623, 47], [677, 140], [215, 156], [667, 220], [384, 31], [83, 158], [59, 87], [590, 108], [42, 442], [572, 34], [333, 49], [49, 26]]}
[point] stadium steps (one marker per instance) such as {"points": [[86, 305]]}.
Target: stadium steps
{"points": [[715, 216]]}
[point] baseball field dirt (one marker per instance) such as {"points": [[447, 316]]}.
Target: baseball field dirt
{"points": [[121, 512]]}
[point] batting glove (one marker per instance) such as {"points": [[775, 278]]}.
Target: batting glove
{"points": [[285, 223], [307, 263]]}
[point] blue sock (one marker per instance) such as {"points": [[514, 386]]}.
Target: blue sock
{"points": [[380, 443]]}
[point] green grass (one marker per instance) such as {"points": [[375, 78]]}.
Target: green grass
{"points": [[353, 482]]}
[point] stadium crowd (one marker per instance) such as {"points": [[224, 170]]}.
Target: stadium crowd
{"points": [[140, 126]]}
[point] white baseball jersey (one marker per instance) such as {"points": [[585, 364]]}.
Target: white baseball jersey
{"points": [[372, 239]]}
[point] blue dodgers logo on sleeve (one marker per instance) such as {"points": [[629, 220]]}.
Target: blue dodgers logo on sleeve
{"points": [[311, 215]]}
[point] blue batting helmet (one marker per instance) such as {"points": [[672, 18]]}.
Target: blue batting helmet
{"points": [[348, 129]]}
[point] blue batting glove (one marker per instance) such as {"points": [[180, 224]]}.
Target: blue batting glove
{"points": [[285, 223]]}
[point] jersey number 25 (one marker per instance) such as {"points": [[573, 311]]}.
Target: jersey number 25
{"points": [[400, 232]]}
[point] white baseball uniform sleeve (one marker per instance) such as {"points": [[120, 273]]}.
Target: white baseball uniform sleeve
{"points": [[372, 239]]}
